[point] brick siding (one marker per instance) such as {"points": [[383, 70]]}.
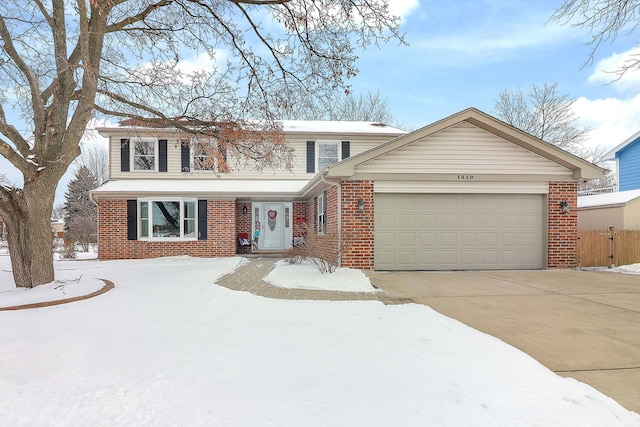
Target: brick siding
{"points": [[113, 243], [562, 227], [357, 226]]}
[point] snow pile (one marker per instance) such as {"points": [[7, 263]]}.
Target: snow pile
{"points": [[305, 276], [168, 347]]}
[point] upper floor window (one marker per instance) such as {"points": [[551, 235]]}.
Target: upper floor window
{"points": [[321, 154], [328, 154], [201, 156], [144, 154]]}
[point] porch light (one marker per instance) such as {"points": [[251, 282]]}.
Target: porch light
{"points": [[360, 205], [564, 205], [244, 209]]}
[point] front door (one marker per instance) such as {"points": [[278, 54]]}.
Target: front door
{"points": [[273, 222]]}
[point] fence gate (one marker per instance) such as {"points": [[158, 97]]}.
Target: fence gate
{"points": [[610, 247]]}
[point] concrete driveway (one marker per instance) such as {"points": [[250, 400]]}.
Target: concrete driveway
{"points": [[584, 325]]}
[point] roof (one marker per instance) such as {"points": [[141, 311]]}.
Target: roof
{"points": [[299, 126], [193, 188], [611, 154], [580, 167], [608, 199]]}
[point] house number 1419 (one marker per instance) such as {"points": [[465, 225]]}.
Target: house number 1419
{"points": [[465, 177]]}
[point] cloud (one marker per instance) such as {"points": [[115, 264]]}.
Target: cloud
{"points": [[605, 70], [403, 8], [612, 120]]}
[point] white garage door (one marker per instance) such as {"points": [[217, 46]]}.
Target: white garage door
{"points": [[459, 231]]}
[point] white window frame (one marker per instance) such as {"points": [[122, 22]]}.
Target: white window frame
{"points": [[322, 214], [192, 156], [156, 156], [145, 224], [338, 145]]}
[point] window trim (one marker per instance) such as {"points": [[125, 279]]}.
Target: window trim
{"points": [[181, 220], [215, 167], [321, 214], [318, 143], [132, 152]]}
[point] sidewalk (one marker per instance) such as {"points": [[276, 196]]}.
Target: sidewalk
{"points": [[248, 278]]}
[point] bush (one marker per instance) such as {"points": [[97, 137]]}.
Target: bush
{"points": [[68, 251], [324, 251]]}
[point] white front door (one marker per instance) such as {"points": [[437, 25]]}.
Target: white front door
{"points": [[274, 222]]}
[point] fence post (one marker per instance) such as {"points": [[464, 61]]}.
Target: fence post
{"points": [[613, 247]]}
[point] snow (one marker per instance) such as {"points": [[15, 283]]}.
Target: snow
{"points": [[608, 199], [167, 346], [182, 187], [343, 279], [341, 127]]}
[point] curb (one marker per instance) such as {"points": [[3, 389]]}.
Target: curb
{"points": [[108, 285]]}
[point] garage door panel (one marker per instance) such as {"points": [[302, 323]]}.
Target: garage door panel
{"points": [[407, 221], [448, 239], [429, 221], [458, 231]]}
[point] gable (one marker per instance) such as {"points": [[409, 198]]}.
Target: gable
{"points": [[469, 139], [462, 149]]}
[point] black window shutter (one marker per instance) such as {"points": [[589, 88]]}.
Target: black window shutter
{"points": [[162, 152], [202, 220], [185, 162], [132, 220], [311, 156], [124, 155], [346, 152]]}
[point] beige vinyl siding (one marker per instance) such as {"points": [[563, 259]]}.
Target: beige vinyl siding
{"points": [[299, 171], [462, 149], [601, 218], [458, 187], [625, 216]]}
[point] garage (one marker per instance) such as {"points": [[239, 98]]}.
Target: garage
{"points": [[459, 231]]}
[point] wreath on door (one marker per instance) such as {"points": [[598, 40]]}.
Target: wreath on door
{"points": [[272, 214]]}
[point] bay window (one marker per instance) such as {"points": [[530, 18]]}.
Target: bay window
{"points": [[168, 219]]}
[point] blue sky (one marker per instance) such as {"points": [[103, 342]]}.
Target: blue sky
{"points": [[464, 53]]}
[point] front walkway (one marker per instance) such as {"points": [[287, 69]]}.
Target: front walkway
{"points": [[248, 278]]}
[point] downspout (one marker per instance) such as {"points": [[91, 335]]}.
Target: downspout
{"points": [[323, 177]]}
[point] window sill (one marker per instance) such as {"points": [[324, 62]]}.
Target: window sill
{"points": [[167, 239]]}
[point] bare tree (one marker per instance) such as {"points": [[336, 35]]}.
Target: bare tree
{"points": [[63, 61], [543, 113], [548, 115], [604, 19], [93, 156], [341, 106]]}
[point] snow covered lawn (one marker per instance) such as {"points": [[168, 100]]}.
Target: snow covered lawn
{"points": [[169, 347]]}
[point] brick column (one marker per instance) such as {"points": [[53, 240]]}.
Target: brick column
{"points": [[358, 226], [562, 227]]}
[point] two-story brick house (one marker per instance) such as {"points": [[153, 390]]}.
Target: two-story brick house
{"points": [[466, 192]]}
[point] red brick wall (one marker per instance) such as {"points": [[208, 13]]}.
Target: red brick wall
{"points": [[357, 226], [562, 227], [113, 243], [243, 221]]}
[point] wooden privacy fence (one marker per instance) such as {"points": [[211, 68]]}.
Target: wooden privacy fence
{"points": [[599, 248]]}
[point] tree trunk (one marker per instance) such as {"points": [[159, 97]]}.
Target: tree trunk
{"points": [[29, 235]]}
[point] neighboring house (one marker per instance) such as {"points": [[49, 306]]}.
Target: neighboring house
{"points": [[627, 158], [466, 192], [620, 209]]}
